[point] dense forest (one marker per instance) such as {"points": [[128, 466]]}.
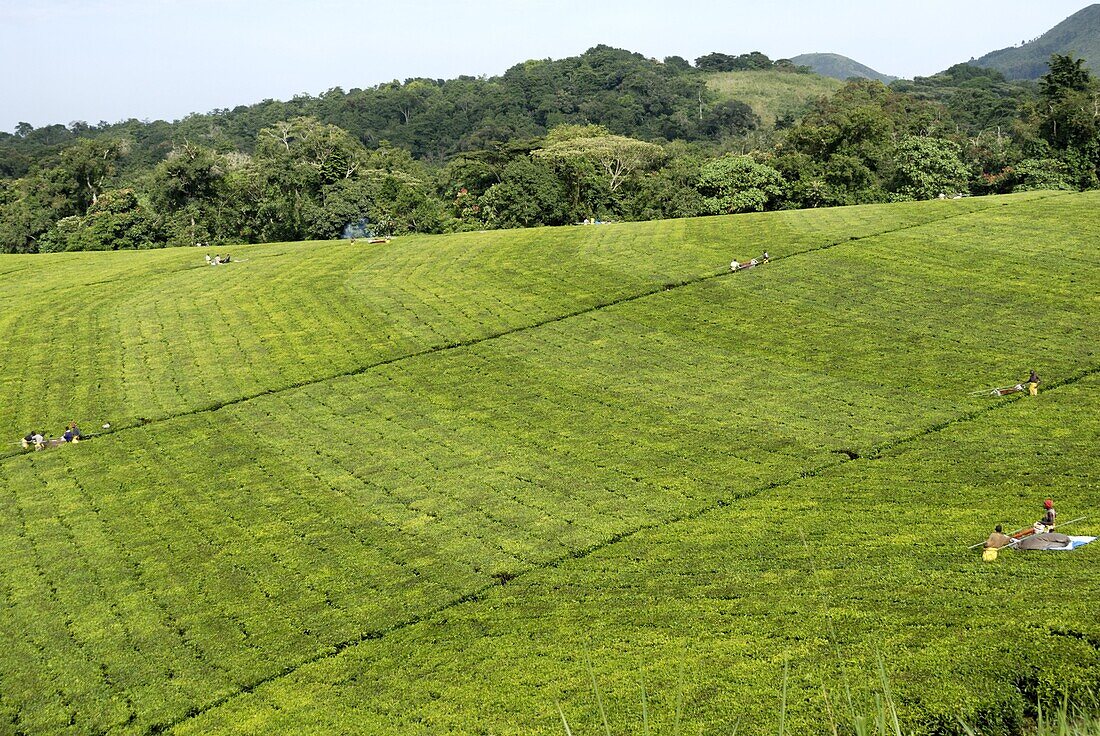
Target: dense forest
{"points": [[608, 135]]}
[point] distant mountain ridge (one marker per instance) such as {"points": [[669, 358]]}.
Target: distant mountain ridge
{"points": [[1077, 35], [840, 67]]}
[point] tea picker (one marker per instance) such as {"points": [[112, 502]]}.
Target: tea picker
{"points": [[1030, 385], [1036, 537], [736, 265]]}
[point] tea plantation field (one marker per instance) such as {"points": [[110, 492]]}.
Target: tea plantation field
{"points": [[411, 488]]}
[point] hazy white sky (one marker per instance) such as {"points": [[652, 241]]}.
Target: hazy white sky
{"points": [[92, 60]]}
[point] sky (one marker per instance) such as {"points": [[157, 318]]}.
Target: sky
{"points": [[111, 60]]}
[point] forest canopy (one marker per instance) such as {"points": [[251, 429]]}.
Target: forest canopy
{"points": [[607, 135]]}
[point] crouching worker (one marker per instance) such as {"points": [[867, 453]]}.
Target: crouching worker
{"points": [[1050, 516], [34, 439], [997, 540], [72, 433]]}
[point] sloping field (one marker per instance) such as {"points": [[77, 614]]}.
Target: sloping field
{"points": [[409, 488], [126, 336], [773, 94], [818, 576]]}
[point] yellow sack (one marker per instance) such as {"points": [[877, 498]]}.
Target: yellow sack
{"points": [[989, 555]]}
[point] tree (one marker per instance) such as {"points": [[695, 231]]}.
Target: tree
{"points": [[1034, 174], [615, 156], [670, 191], [312, 152], [929, 167], [716, 62], [1069, 117], [729, 118], [678, 62], [31, 205], [89, 163], [1066, 75], [739, 184], [402, 205], [412, 96], [528, 194], [297, 162], [844, 172], [806, 186], [851, 141], [187, 187], [115, 222], [1070, 113]]}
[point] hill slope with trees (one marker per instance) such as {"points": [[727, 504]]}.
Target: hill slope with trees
{"points": [[777, 97], [1078, 36]]}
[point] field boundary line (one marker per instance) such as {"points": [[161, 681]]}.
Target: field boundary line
{"points": [[883, 451], [459, 344]]}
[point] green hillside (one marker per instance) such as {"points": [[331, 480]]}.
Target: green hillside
{"points": [[840, 67], [773, 94], [409, 488], [1077, 36]]}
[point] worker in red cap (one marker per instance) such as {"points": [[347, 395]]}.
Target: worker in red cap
{"points": [[1050, 515]]}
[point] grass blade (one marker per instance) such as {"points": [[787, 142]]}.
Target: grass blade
{"points": [[783, 700], [568, 731], [888, 696], [679, 700], [599, 698]]}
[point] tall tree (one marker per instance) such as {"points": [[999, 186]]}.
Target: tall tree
{"points": [[1071, 105], [187, 187], [615, 156], [929, 167], [739, 184], [90, 163], [1066, 75], [729, 118]]}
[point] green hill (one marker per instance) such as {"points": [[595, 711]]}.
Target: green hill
{"points": [[410, 488], [773, 94], [1078, 35], [840, 67]]}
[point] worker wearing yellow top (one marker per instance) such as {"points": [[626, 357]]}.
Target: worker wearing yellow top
{"points": [[1033, 383]]}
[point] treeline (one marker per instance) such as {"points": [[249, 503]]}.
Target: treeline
{"points": [[754, 61], [608, 135]]}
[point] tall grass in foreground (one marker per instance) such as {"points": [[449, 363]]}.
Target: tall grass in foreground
{"points": [[1067, 720], [1080, 719]]}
